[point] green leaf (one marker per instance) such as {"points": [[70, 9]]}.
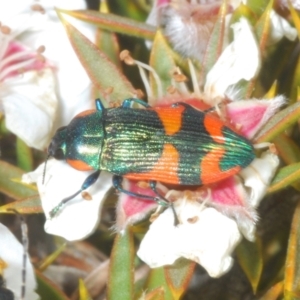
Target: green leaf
{"points": [[263, 26], [274, 292], [103, 73], [157, 279], [114, 23], [243, 11], [47, 289], [262, 30], [285, 177], [288, 150], [215, 44], [156, 294], [30, 205], [250, 259], [179, 276], [162, 61], [24, 156], [137, 9], [292, 270], [108, 44], [280, 122], [13, 189], [121, 270], [258, 6], [83, 292], [51, 258]]}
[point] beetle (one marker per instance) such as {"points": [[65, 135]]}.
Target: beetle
{"points": [[177, 145]]}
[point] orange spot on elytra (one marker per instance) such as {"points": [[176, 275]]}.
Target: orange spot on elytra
{"points": [[210, 167], [171, 118], [214, 127], [164, 170], [79, 165]]}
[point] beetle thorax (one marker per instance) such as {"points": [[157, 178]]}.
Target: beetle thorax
{"points": [[84, 139]]}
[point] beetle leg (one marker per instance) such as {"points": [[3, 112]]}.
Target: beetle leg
{"points": [[211, 109], [127, 102], [91, 179], [153, 188], [117, 183]]}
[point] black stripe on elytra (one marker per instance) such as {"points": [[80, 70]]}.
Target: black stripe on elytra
{"points": [[192, 142]]}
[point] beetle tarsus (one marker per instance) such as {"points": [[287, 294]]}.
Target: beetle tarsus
{"points": [[162, 198]]}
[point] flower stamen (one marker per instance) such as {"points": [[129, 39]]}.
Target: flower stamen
{"points": [[196, 87], [126, 57], [19, 61]]}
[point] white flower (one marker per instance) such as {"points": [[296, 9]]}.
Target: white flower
{"points": [[239, 60], [203, 235], [11, 261], [79, 217], [280, 28], [39, 94]]}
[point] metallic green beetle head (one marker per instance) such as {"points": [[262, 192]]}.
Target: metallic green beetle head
{"points": [[80, 143]]}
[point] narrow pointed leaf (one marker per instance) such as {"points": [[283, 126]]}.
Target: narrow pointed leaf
{"points": [[108, 44], [51, 258], [103, 73], [250, 258], [162, 61], [157, 294], [257, 6], [47, 289], [13, 189], [262, 29], [24, 156], [215, 44], [292, 270], [288, 150], [157, 279], [121, 271], [30, 205], [280, 122], [83, 292], [274, 292], [114, 23], [179, 276], [285, 177], [263, 26]]}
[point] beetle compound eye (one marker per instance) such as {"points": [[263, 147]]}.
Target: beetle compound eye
{"points": [[59, 154]]}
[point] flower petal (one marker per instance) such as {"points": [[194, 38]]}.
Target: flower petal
{"points": [[61, 181], [258, 176], [132, 209], [250, 115], [203, 235], [280, 28], [30, 107], [239, 60], [11, 252]]}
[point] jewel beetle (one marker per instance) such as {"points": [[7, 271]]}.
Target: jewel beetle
{"points": [[177, 144]]}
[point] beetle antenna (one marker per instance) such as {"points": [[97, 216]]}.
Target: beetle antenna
{"points": [[44, 171]]}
